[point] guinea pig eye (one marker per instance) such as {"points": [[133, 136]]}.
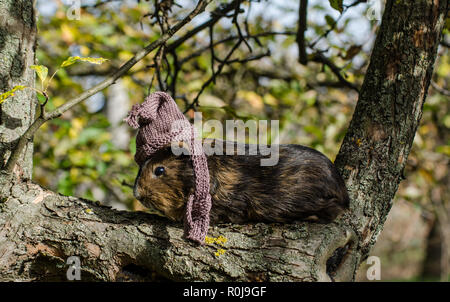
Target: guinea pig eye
{"points": [[159, 171]]}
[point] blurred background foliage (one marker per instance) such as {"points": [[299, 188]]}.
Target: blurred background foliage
{"points": [[88, 151]]}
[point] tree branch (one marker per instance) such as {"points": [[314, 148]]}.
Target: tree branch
{"points": [[440, 89], [216, 16], [320, 58], [230, 38], [302, 25], [48, 228]]}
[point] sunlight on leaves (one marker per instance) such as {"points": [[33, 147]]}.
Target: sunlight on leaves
{"points": [[72, 60], [41, 71]]}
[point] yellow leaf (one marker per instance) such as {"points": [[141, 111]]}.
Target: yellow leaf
{"points": [[93, 60], [10, 93], [69, 61], [41, 71], [72, 60]]}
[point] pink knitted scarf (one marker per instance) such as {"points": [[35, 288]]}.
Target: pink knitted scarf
{"points": [[160, 123]]}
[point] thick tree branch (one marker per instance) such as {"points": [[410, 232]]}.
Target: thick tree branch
{"points": [[47, 228]]}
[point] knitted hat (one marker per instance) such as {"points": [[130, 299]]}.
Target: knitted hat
{"points": [[160, 123]]}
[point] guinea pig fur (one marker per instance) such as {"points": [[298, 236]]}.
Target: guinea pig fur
{"points": [[303, 185]]}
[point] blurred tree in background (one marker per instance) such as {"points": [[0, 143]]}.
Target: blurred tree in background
{"points": [[251, 55]]}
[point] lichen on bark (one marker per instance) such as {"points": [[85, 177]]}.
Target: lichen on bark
{"points": [[17, 53]]}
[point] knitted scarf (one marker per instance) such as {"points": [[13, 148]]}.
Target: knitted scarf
{"points": [[160, 123]]}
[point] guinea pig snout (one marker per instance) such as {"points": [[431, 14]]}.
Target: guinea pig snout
{"points": [[136, 191]]}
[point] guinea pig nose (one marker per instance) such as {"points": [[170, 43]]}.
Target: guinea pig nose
{"points": [[136, 192], [135, 187]]}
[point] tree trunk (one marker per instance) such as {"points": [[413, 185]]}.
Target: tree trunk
{"points": [[374, 151], [17, 50], [40, 229]]}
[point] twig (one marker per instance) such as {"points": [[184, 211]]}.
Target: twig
{"points": [[320, 58], [441, 90], [28, 135], [211, 48], [126, 184], [333, 26], [238, 27], [176, 70], [156, 65], [212, 78], [248, 59], [230, 38], [302, 25], [247, 27], [216, 16]]}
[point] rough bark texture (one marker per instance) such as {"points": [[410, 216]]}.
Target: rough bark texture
{"points": [[374, 151], [17, 51], [39, 229]]}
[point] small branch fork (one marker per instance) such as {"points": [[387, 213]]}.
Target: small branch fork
{"points": [[317, 56]]}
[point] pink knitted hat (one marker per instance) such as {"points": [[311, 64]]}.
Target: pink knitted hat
{"points": [[160, 123]]}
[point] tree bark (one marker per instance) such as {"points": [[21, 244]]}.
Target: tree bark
{"points": [[17, 52], [40, 229], [380, 135]]}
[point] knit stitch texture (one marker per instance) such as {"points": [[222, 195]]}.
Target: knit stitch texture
{"points": [[160, 123]]}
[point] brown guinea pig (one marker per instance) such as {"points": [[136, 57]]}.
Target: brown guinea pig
{"points": [[303, 185]]}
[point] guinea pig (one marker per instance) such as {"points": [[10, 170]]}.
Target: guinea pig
{"points": [[303, 185]]}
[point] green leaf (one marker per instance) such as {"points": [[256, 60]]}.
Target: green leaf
{"points": [[72, 60], [330, 20], [337, 5], [41, 71], [69, 61], [10, 93]]}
